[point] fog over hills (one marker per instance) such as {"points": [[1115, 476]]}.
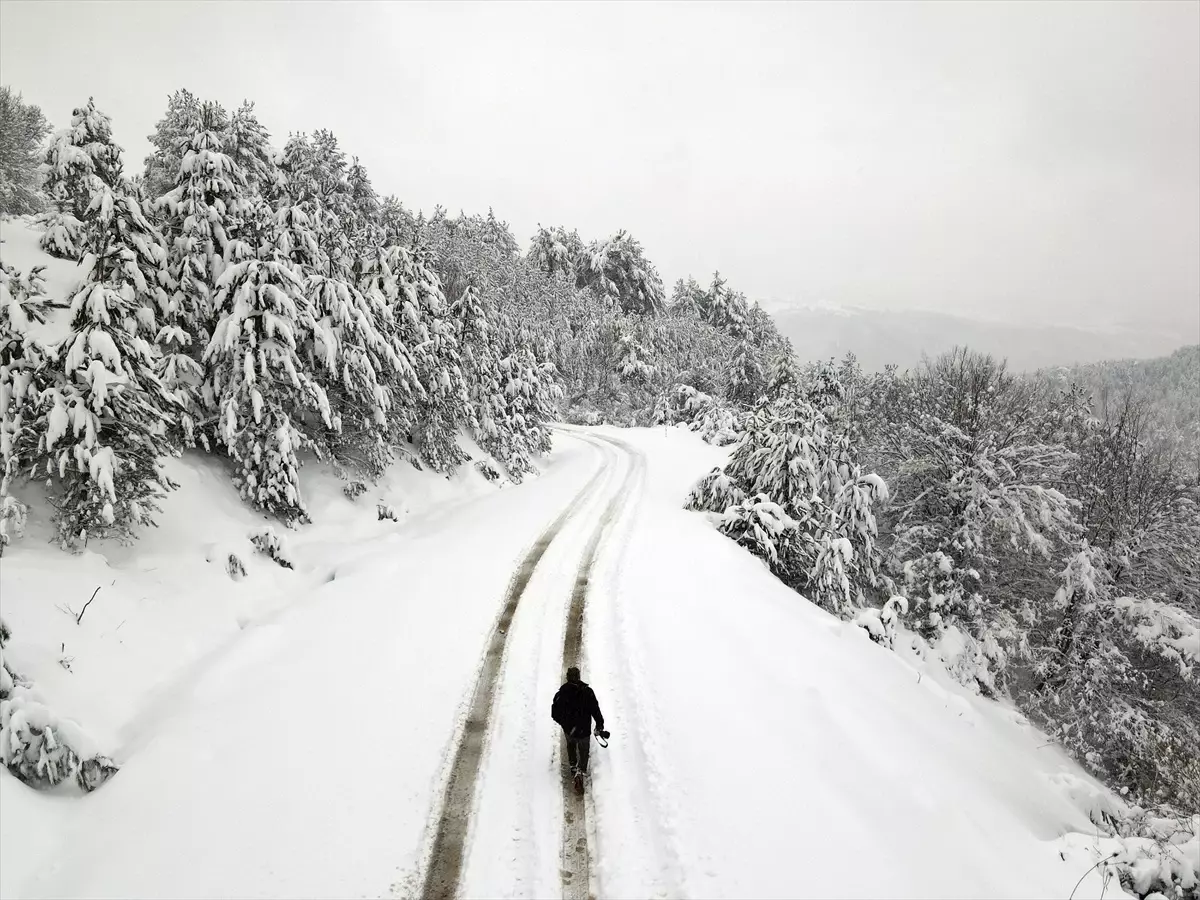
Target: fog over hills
{"points": [[879, 337]]}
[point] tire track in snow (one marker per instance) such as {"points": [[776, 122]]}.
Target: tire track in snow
{"points": [[444, 867], [577, 873], [645, 816]]}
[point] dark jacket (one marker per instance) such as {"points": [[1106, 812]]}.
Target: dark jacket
{"points": [[574, 707]]}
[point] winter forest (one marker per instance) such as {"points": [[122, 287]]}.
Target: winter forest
{"points": [[252, 298]]}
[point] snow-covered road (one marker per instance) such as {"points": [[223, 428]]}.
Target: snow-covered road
{"points": [[760, 747]]}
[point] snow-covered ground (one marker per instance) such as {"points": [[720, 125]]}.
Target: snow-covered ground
{"points": [[289, 734]]}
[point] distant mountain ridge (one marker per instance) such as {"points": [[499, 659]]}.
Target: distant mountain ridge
{"points": [[879, 337]]}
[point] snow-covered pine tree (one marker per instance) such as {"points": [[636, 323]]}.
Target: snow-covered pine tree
{"points": [[178, 123], [798, 455], [78, 161], [23, 127], [382, 278], [352, 360], [445, 405], [632, 359], [202, 212], [784, 375], [355, 349], [775, 458], [525, 395], [746, 381], [555, 251], [618, 270], [686, 299], [22, 377], [249, 146], [723, 308], [106, 416], [266, 403]]}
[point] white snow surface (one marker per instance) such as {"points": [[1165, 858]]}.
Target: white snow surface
{"points": [[288, 735]]}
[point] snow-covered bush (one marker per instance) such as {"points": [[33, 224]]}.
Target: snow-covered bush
{"points": [[38, 747], [354, 489], [1157, 855], [881, 624], [761, 526], [234, 567], [13, 514], [715, 421], [267, 542], [715, 492], [1096, 693]]}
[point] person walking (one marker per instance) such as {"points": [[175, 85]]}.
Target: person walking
{"points": [[574, 708]]}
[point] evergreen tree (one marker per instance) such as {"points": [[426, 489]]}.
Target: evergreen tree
{"points": [[746, 382], [106, 415], [266, 402], [79, 162], [249, 146], [444, 407], [178, 124], [618, 270], [22, 364], [23, 127], [784, 376], [203, 213], [723, 308], [555, 252]]}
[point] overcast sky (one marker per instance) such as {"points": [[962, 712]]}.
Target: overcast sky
{"points": [[1017, 161]]}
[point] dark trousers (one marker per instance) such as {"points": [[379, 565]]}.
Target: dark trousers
{"points": [[579, 747]]}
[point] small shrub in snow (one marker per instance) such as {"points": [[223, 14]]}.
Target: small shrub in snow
{"points": [[487, 470], [715, 421], [583, 415], [719, 425], [266, 541], [12, 520], [35, 745], [235, 568], [880, 624], [715, 491], [387, 511], [41, 749], [1158, 856], [354, 489]]}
